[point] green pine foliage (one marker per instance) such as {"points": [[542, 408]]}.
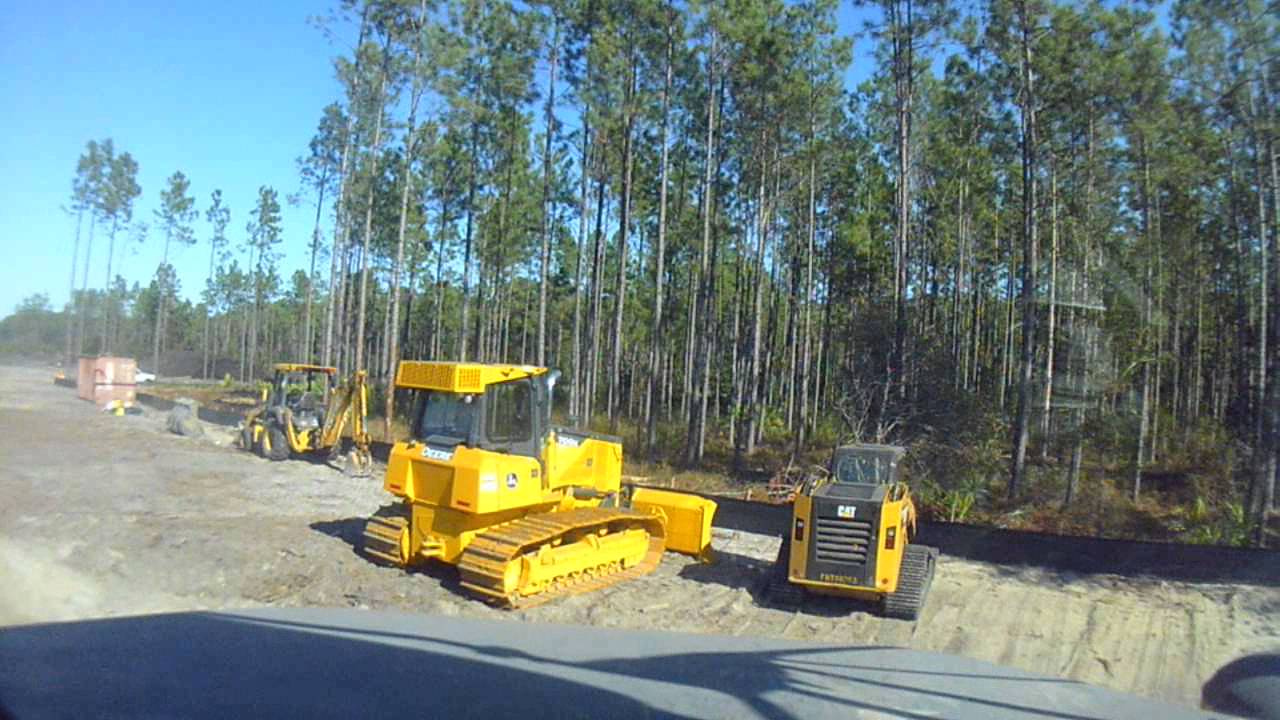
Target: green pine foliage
{"points": [[841, 263]]}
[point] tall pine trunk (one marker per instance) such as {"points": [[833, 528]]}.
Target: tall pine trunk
{"points": [[701, 311], [473, 179], [73, 303], [368, 223], [659, 259], [1046, 420], [624, 236], [545, 256], [84, 286], [308, 331], [161, 305], [575, 388], [406, 188], [341, 225], [1021, 430]]}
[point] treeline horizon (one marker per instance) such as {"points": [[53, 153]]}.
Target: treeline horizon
{"points": [[1043, 227]]}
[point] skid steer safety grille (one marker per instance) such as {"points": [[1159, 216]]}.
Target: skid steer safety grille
{"points": [[841, 541]]}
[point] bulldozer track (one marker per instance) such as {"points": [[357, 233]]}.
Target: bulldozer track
{"points": [[484, 565], [382, 538]]}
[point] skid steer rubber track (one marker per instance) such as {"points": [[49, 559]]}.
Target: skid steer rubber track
{"points": [[779, 591], [386, 538], [494, 566], [914, 580]]}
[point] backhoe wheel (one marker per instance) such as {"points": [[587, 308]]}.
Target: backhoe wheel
{"points": [[273, 445], [914, 580]]}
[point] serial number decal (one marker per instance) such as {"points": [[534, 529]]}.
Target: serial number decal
{"points": [[431, 453], [826, 577]]}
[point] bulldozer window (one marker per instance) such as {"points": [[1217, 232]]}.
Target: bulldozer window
{"points": [[509, 417], [446, 415]]}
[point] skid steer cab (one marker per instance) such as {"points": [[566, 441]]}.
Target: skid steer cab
{"points": [[851, 536], [527, 510], [303, 410]]}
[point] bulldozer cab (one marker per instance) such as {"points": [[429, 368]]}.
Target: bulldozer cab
{"points": [[510, 416]]}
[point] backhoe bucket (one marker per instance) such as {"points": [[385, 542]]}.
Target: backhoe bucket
{"points": [[688, 519]]}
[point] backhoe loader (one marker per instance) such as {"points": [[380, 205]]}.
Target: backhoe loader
{"points": [[850, 536], [526, 510], [301, 411]]}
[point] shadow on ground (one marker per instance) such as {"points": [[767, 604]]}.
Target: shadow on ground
{"points": [[351, 532], [342, 664], [751, 574]]}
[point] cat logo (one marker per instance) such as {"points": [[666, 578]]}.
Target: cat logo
{"points": [[846, 511]]}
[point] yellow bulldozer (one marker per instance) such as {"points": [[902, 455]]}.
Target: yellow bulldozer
{"points": [[851, 536], [303, 411], [528, 511]]}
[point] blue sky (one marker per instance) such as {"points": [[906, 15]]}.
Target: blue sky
{"points": [[228, 92]]}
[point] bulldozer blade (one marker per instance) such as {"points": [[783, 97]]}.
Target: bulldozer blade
{"points": [[688, 519]]}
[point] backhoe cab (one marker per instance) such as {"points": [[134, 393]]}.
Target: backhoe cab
{"points": [[302, 410], [850, 536], [527, 510]]}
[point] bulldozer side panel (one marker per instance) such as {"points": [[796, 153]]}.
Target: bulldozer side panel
{"points": [[580, 460], [466, 479]]}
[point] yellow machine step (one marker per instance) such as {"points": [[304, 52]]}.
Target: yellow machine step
{"points": [[541, 557]]}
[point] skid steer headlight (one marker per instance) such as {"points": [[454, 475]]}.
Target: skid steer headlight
{"points": [[799, 534], [891, 538]]}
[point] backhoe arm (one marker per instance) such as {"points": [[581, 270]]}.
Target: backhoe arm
{"points": [[352, 398]]}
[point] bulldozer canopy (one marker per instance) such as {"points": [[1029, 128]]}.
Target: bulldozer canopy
{"points": [[457, 377]]}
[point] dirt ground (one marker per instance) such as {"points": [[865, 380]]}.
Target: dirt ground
{"points": [[104, 515]]}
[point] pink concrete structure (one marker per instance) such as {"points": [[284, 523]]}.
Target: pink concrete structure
{"points": [[84, 378], [104, 379]]}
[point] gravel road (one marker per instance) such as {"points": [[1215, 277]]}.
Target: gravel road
{"points": [[103, 515]]}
